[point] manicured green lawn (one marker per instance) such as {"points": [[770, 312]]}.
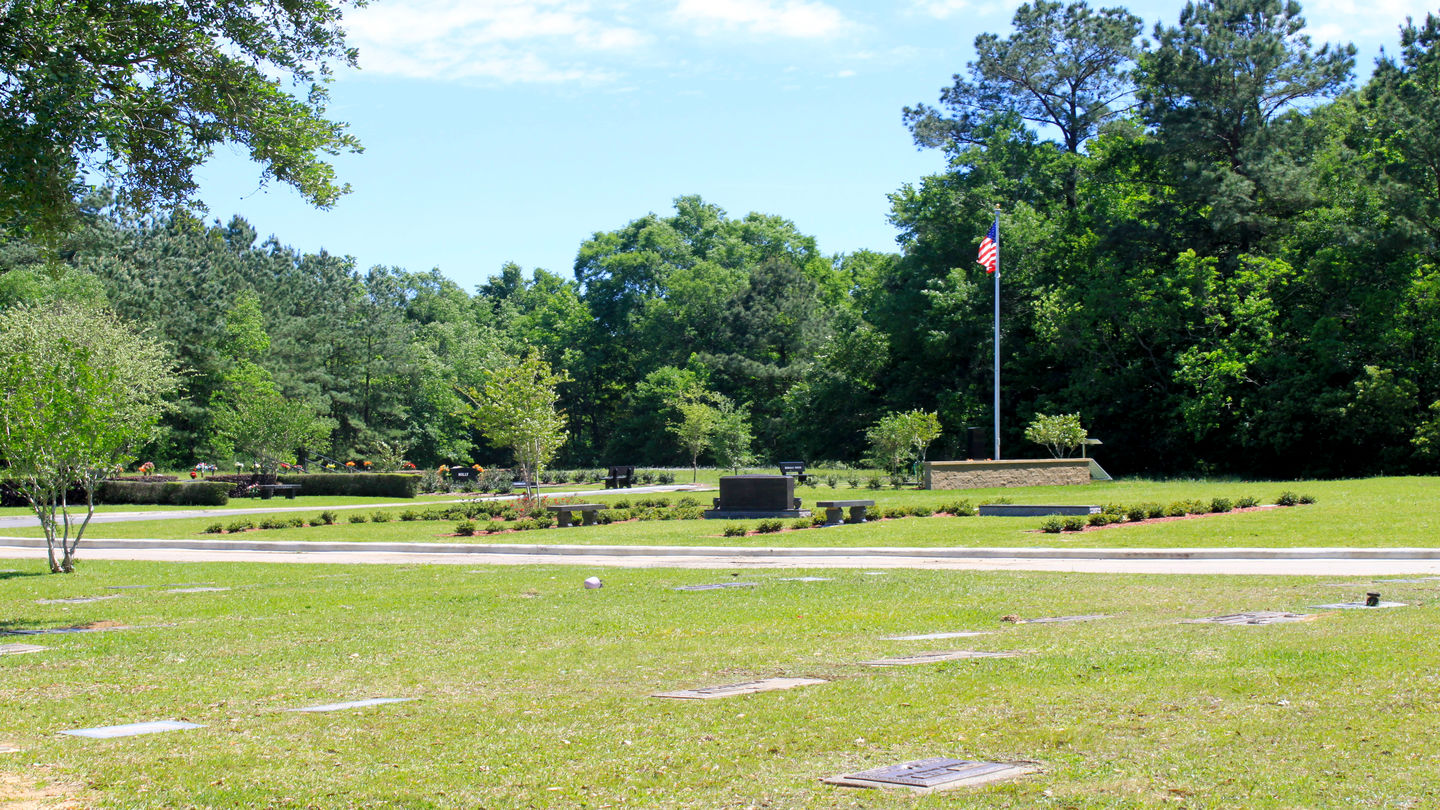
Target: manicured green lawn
{"points": [[533, 692], [1375, 512]]}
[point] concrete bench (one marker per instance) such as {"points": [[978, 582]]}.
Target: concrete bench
{"points": [[563, 512], [267, 491], [833, 510]]}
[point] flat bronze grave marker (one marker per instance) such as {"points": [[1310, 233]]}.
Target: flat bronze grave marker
{"points": [[55, 631], [197, 589], [937, 636], [717, 586], [936, 657], [1089, 617], [1406, 581], [17, 649], [1357, 606], [131, 729], [1254, 617], [77, 600], [935, 774], [124, 587], [354, 704], [805, 579], [731, 690]]}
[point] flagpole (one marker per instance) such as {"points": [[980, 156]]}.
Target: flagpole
{"points": [[997, 332]]}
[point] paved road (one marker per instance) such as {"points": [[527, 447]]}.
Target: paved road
{"points": [[31, 522], [1277, 562]]}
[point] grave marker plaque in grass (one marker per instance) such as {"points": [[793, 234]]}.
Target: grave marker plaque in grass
{"points": [[17, 649], [1357, 605], [131, 729], [354, 704], [1089, 617], [77, 600], [936, 657], [717, 586], [201, 589], [731, 690], [805, 579], [1254, 617], [934, 774], [937, 636]]}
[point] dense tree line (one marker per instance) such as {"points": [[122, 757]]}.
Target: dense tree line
{"points": [[1215, 248]]}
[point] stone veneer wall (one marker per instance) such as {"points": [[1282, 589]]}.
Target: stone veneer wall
{"points": [[1017, 473]]}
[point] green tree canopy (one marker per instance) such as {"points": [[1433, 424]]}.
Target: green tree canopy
{"points": [[142, 93]]}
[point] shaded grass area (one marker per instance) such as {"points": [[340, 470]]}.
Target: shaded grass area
{"points": [[1374, 512], [532, 691]]}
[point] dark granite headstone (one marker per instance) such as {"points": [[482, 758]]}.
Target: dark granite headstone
{"points": [[757, 496]]}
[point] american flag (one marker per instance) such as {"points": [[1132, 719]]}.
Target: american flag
{"points": [[990, 249]]}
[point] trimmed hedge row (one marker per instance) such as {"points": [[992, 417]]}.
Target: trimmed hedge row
{"points": [[380, 485], [190, 493]]}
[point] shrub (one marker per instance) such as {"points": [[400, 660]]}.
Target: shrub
{"points": [[239, 526], [921, 510], [359, 518], [548, 477], [465, 528], [734, 530], [853, 480], [296, 523], [647, 477], [1137, 513], [1098, 519], [1246, 502], [1052, 525], [1154, 510], [409, 515], [1218, 505], [620, 504], [432, 481], [801, 523], [508, 513], [667, 477], [817, 520], [686, 502], [494, 526], [328, 517], [874, 482], [214, 528], [380, 517], [959, 509], [832, 481], [1074, 523], [524, 525], [1176, 509], [1287, 498], [379, 485], [1307, 499], [190, 493], [892, 512], [273, 523], [769, 526]]}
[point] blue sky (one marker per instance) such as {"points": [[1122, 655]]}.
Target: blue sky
{"points": [[502, 130]]}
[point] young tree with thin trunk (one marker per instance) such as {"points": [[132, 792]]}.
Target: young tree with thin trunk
{"points": [[516, 409], [79, 393]]}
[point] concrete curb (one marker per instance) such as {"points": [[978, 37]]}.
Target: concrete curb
{"points": [[948, 552]]}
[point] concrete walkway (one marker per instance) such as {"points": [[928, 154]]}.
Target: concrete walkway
{"points": [[1336, 562], [32, 522]]}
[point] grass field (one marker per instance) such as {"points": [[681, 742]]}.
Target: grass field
{"points": [[1376, 512], [530, 691]]}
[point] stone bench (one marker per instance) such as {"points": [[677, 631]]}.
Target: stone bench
{"points": [[833, 510], [563, 512], [267, 491]]}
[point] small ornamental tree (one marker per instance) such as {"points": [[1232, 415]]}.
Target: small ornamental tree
{"points": [[900, 436], [253, 419], [695, 429], [733, 437], [79, 393], [516, 409], [1060, 434]]}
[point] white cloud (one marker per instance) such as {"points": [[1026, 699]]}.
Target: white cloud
{"points": [[942, 9], [507, 40], [802, 19]]}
